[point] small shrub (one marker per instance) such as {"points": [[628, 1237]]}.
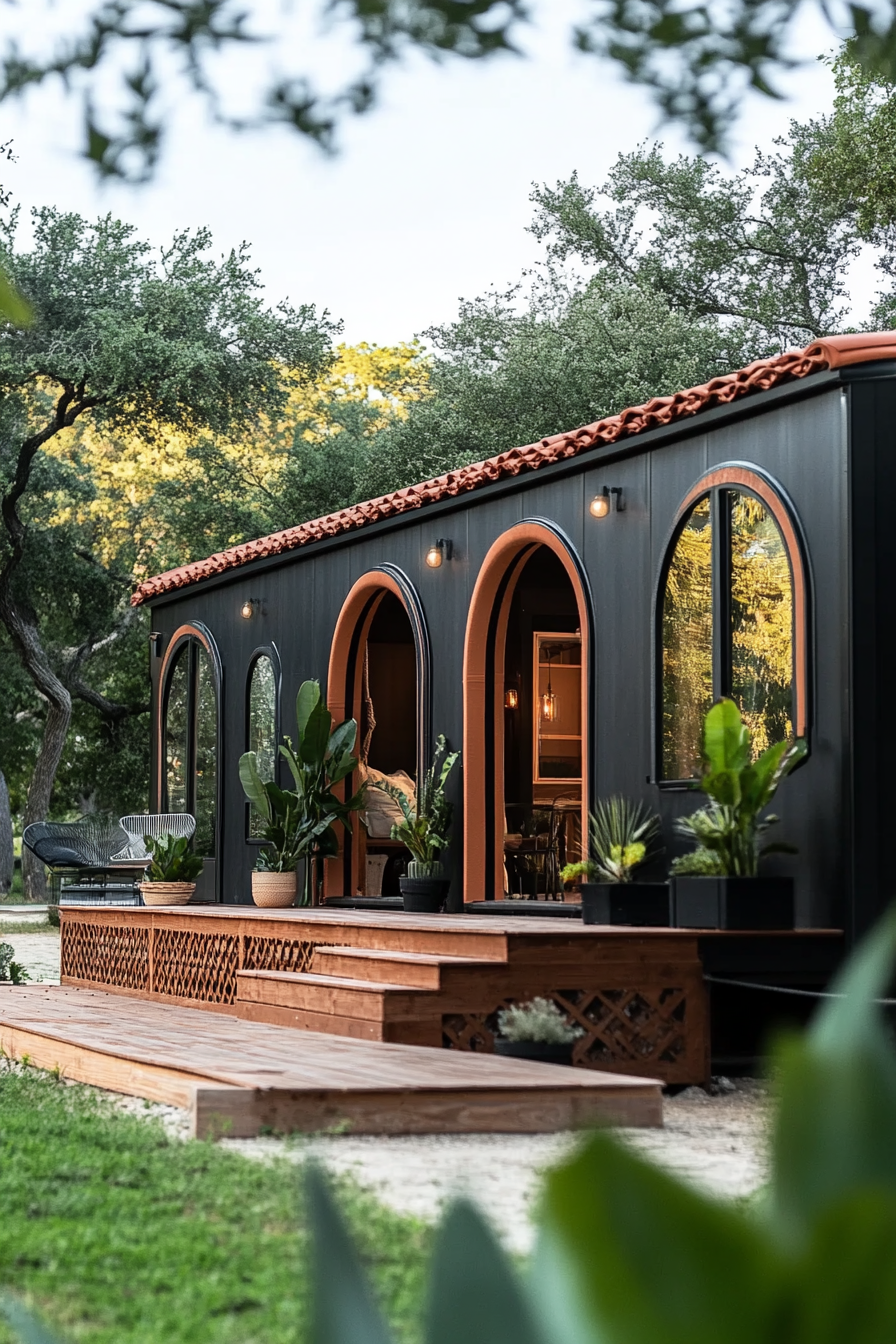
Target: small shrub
{"points": [[11, 972], [538, 1020]]}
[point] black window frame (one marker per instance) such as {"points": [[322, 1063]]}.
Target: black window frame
{"points": [[744, 479], [272, 653], [186, 641]]}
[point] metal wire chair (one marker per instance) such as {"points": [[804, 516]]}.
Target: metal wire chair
{"points": [[82, 851], [155, 824]]}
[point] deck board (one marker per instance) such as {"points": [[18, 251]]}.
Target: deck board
{"points": [[238, 1076]]}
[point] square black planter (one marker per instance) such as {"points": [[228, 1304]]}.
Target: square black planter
{"points": [[733, 902], [644, 904]]}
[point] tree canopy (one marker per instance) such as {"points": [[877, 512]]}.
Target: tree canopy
{"points": [[142, 344], [134, 56]]}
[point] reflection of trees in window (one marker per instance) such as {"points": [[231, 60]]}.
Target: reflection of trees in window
{"points": [[727, 626], [687, 644], [262, 727], [176, 734], [761, 622], [191, 742]]}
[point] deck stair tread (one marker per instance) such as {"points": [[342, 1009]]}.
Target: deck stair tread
{"points": [[413, 958], [256, 1075], [414, 970], [331, 981]]}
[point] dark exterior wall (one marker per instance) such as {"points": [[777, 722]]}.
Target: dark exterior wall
{"points": [[798, 439]]}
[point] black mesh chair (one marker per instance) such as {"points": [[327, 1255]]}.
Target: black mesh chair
{"points": [[79, 857]]}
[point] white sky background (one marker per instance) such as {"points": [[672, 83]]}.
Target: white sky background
{"points": [[427, 200]]}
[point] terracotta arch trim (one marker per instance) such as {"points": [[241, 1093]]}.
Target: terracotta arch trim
{"points": [[349, 636], [495, 585], [775, 500]]}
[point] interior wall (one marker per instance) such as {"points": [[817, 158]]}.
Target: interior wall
{"points": [[392, 679]]}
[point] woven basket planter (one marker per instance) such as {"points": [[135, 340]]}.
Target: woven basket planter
{"points": [[274, 891], [166, 893]]}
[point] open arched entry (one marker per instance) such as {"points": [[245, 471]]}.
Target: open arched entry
{"points": [[554, 667], [380, 675]]}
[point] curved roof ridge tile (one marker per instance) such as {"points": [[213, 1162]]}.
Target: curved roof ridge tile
{"points": [[830, 352]]}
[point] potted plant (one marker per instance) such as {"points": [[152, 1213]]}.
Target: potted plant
{"points": [[718, 884], [424, 830], [537, 1030], [299, 822], [624, 836], [171, 872]]}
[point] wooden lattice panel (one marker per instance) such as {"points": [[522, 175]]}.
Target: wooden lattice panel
{"points": [[106, 954], [188, 964], [276, 954], [652, 1030]]}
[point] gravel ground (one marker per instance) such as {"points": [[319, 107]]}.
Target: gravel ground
{"points": [[715, 1142]]}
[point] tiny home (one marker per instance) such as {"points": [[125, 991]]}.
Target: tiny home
{"points": [[565, 613]]}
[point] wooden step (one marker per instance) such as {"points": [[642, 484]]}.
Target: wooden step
{"points": [[338, 995], [415, 970]]}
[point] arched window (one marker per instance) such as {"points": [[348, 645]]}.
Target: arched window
{"points": [[731, 618], [262, 705], [189, 776]]}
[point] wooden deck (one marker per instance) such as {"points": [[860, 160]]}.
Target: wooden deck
{"points": [[238, 1077], [438, 980]]}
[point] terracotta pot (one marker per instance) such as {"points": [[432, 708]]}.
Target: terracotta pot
{"points": [[274, 891], [166, 893]]}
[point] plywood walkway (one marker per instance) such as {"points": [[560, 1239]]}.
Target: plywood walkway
{"points": [[239, 1077]]}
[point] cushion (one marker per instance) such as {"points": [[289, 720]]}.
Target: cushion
{"points": [[52, 851], [381, 810]]}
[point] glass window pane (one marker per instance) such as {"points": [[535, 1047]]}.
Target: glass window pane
{"points": [[176, 735], [262, 728], [761, 622], [687, 645], [206, 754]]}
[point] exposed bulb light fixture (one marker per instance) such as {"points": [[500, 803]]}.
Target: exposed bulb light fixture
{"points": [[511, 698], [548, 698], [604, 499], [249, 607], [438, 552]]}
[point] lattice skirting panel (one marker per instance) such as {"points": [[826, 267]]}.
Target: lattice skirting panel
{"points": [[174, 963], [658, 1031]]}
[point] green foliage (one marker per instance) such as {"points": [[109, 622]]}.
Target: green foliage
{"points": [[300, 823], [117, 1234], [727, 831], [11, 971], [697, 61], [538, 1020], [424, 830], [624, 834], [630, 1255], [171, 859], [585, 871]]}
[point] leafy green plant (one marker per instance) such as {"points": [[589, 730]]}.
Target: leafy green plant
{"points": [[538, 1020], [12, 972], [624, 834], [171, 859], [300, 822], [584, 871], [728, 830], [424, 829]]}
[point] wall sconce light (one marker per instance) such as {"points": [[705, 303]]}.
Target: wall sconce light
{"points": [[439, 551], [250, 607], [601, 503], [511, 698], [156, 640]]}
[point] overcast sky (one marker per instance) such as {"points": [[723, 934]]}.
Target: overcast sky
{"points": [[428, 199]]}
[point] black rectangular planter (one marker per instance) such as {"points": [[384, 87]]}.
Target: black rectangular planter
{"points": [[644, 904], [733, 902]]}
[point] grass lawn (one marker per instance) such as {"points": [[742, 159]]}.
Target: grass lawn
{"points": [[118, 1233]]}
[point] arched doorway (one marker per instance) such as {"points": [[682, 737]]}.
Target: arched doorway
{"points": [[188, 736], [528, 658], [380, 675]]}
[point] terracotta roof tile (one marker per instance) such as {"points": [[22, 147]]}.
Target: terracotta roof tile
{"points": [[831, 353]]}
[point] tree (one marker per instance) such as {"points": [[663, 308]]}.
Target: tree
{"points": [[697, 59], [138, 343]]}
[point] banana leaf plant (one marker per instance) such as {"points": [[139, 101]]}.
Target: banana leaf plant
{"points": [[729, 829], [300, 823], [424, 828]]}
